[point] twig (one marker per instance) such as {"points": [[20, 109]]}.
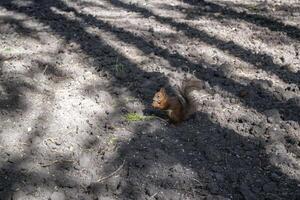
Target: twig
{"points": [[49, 139], [45, 142], [194, 195], [54, 162], [24, 143], [45, 69], [48, 164], [113, 173], [153, 195], [202, 97], [196, 180], [53, 142], [162, 119]]}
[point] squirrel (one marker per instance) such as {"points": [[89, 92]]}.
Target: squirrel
{"points": [[180, 106]]}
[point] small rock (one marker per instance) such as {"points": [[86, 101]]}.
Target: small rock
{"points": [[108, 126], [58, 142], [149, 190], [58, 196], [97, 188], [258, 130], [278, 153], [275, 133], [212, 154], [247, 193], [297, 195], [213, 187], [292, 87], [219, 73], [19, 195], [275, 176], [295, 101], [217, 97], [219, 177], [291, 140], [207, 85], [216, 197], [114, 183], [139, 164], [64, 182], [273, 116], [85, 160], [208, 8], [216, 168], [262, 83], [91, 141], [243, 93], [123, 133], [270, 187], [101, 197]]}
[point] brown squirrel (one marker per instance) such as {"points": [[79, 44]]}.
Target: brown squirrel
{"points": [[178, 107]]}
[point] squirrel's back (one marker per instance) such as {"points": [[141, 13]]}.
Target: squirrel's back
{"points": [[181, 106], [186, 96]]}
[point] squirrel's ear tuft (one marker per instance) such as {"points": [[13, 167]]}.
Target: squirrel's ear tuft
{"points": [[162, 90]]}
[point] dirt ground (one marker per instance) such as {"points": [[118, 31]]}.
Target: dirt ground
{"points": [[77, 79]]}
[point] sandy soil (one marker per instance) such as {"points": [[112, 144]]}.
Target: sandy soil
{"points": [[73, 71]]}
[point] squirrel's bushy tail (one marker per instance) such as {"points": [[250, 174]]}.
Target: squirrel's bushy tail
{"points": [[186, 95]]}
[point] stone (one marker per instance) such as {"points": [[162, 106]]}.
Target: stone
{"points": [[212, 154], [258, 130], [19, 195], [216, 197], [219, 177], [247, 193], [275, 133], [270, 187], [85, 160], [213, 187], [58, 196], [273, 116]]}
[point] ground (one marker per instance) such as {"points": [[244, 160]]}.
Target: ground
{"points": [[77, 79]]}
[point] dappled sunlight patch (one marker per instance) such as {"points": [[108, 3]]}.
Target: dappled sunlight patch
{"points": [[84, 133], [283, 153], [159, 7], [131, 52], [22, 3]]}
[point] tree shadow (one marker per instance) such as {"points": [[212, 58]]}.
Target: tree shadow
{"points": [[26, 174], [266, 101], [259, 20], [12, 91], [13, 98], [88, 4], [268, 7], [194, 12], [11, 25], [187, 154], [15, 179], [260, 60], [266, 98], [223, 163], [261, 98], [90, 44]]}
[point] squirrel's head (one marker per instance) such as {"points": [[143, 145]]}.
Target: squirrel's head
{"points": [[160, 99]]}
